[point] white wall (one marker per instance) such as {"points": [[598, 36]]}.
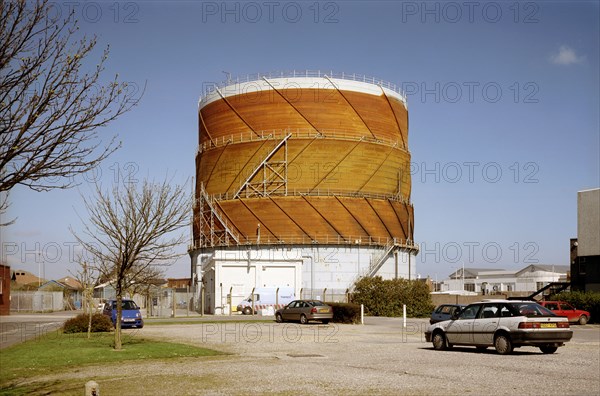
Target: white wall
{"points": [[309, 270]]}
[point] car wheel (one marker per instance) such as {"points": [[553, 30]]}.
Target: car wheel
{"points": [[439, 341], [583, 319], [326, 321], [247, 311], [548, 349], [503, 344], [303, 319], [279, 318]]}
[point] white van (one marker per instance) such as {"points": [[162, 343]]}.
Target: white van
{"points": [[265, 297]]}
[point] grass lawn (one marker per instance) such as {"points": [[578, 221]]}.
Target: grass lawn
{"points": [[57, 352]]}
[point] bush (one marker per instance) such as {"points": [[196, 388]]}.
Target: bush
{"points": [[345, 313], [386, 297], [79, 324], [587, 301]]}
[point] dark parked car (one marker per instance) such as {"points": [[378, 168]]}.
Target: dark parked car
{"points": [[130, 314], [503, 324], [305, 310], [444, 312]]}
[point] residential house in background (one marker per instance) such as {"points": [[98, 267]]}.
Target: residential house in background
{"points": [[71, 288]]}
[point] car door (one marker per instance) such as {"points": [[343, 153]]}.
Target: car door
{"points": [[567, 310], [291, 312], [460, 331], [485, 324]]}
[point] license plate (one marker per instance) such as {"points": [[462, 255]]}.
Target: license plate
{"points": [[547, 325], [128, 320], [323, 309]]}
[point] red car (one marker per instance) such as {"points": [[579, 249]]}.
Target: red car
{"points": [[562, 308]]}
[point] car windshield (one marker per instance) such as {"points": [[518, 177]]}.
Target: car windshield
{"points": [[129, 305], [530, 309]]}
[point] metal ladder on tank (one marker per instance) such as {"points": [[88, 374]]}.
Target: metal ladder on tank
{"points": [[379, 260], [215, 214]]}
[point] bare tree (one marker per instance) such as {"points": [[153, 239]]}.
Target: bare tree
{"points": [[87, 275], [133, 230], [50, 108]]}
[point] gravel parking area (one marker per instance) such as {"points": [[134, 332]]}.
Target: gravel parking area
{"points": [[380, 357]]}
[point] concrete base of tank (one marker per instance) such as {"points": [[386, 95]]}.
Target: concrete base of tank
{"points": [[325, 272]]}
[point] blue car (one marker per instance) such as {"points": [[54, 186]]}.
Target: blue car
{"points": [[131, 315], [445, 312]]}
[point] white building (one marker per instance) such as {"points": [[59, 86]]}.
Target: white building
{"points": [[321, 272], [486, 280]]}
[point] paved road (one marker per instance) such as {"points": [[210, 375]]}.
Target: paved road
{"points": [[381, 357], [17, 328]]}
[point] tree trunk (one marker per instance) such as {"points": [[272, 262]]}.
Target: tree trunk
{"points": [[90, 307], [119, 291]]}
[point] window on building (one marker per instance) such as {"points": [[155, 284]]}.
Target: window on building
{"points": [[470, 287], [539, 285]]}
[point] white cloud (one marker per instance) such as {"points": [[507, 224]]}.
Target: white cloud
{"points": [[566, 56]]}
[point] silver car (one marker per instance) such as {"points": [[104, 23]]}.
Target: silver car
{"points": [[503, 324], [305, 310]]}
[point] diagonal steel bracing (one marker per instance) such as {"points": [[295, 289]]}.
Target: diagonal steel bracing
{"points": [[274, 175]]}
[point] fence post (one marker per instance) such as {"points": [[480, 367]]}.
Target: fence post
{"points": [[173, 303], [362, 314], [92, 388], [202, 298], [230, 300]]}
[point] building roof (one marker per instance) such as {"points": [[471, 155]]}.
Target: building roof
{"points": [[54, 284], [22, 277], [476, 272], [560, 269], [71, 283], [472, 272]]}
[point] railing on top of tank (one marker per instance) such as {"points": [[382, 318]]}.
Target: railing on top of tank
{"points": [[323, 193], [360, 240], [278, 134], [302, 73]]}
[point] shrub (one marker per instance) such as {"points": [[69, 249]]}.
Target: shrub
{"points": [[345, 312], [79, 324], [386, 297], [588, 301]]}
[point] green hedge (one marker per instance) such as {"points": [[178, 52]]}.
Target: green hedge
{"points": [[588, 301], [386, 297], [345, 313], [79, 324]]}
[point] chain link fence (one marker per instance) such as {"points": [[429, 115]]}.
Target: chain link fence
{"points": [[37, 301]]}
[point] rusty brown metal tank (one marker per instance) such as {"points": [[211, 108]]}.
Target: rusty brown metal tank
{"points": [[303, 158]]}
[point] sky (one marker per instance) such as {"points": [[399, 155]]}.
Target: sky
{"points": [[503, 101]]}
